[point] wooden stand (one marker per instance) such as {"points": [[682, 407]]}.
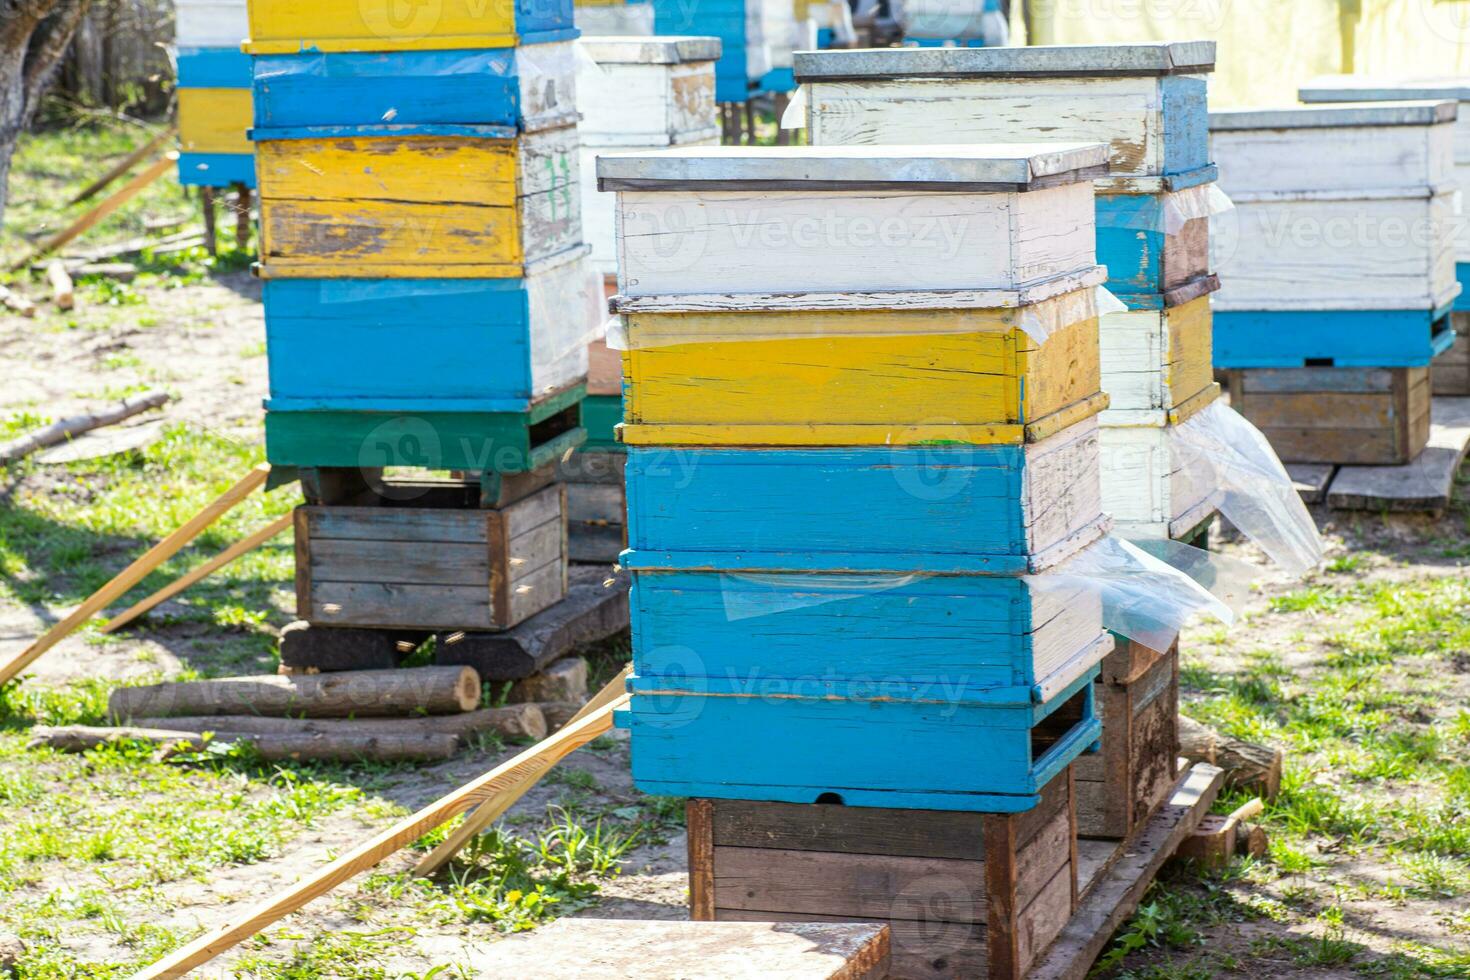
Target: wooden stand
{"points": [[595, 608], [1138, 699], [966, 895], [1372, 416]]}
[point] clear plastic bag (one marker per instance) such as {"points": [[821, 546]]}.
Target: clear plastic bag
{"points": [[1143, 597], [1255, 493], [1138, 211]]}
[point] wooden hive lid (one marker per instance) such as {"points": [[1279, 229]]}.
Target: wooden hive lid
{"points": [[1336, 116], [1058, 60], [1360, 88], [959, 168], [639, 50]]}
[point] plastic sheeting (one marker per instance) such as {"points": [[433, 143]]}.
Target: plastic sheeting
{"points": [[1037, 320], [1255, 493], [1144, 598], [1179, 208]]}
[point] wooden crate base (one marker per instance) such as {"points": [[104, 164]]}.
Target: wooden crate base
{"points": [[1366, 416], [1138, 699], [1450, 372], [327, 486], [1113, 876], [966, 895], [593, 610], [575, 949]]}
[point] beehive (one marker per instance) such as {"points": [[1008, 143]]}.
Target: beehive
{"points": [[289, 26], [745, 55], [214, 94]]}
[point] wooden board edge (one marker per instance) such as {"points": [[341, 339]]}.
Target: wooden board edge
{"points": [[700, 822], [1121, 884]]}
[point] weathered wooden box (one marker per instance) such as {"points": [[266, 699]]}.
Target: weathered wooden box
{"points": [[372, 207], [1330, 337], [286, 26], [1144, 489], [1355, 88], [967, 507], [437, 345], [1155, 361], [478, 442], [1146, 102], [742, 222], [991, 640], [1346, 207], [1376, 416], [896, 376], [1450, 373], [428, 568], [211, 23], [597, 523], [745, 51], [647, 91], [965, 895], [531, 88], [214, 116], [1146, 255], [859, 741], [1138, 699]]}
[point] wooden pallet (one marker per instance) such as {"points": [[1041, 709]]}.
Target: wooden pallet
{"points": [[1113, 876], [1425, 485]]}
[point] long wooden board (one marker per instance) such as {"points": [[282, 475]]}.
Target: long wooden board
{"points": [[1426, 484], [1115, 892]]}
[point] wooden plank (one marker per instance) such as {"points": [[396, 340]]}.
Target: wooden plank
{"points": [[1426, 484], [1115, 897], [1310, 480], [572, 949], [928, 949], [95, 217], [858, 885], [398, 562], [124, 165], [507, 778], [700, 821], [137, 571], [397, 606], [848, 829], [595, 607], [411, 525]]}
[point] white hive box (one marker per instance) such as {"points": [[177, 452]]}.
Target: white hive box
{"points": [[615, 19], [1341, 207], [1147, 102], [732, 223], [1143, 490], [636, 93], [211, 23]]}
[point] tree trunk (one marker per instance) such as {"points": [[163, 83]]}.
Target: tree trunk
{"points": [[34, 35], [511, 721], [291, 747], [1255, 768]]}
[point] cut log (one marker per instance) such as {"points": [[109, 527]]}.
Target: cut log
{"points": [[59, 432], [559, 714], [512, 721], [356, 694], [510, 777], [288, 747], [63, 291], [1253, 768], [1216, 839], [17, 303]]}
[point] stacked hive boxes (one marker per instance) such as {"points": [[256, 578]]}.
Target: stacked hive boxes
{"points": [[1450, 373], [1339, 273], [745, 49], [634, 93], [428, 302], [1148, 104], [845, 455], [214, 94]]}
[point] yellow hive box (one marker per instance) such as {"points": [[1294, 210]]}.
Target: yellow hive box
{"points": [[417, 206], [215, 120], [290, 26], [856, 378]]}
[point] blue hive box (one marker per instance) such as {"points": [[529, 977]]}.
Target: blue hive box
{"points": [[1331, 338]]}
